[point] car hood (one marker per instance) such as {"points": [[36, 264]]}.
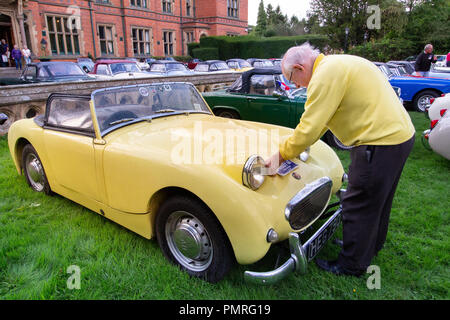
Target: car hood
{"points": [[205, 142]]}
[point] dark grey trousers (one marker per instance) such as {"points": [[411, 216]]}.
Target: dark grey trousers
{"points": [[373, 176]]}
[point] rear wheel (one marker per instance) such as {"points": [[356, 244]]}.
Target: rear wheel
{"points": [[422, 100], [34, 170], [191, 237]]}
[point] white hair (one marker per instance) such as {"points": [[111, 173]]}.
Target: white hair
{"points": [[299, 55], [428, 46]]}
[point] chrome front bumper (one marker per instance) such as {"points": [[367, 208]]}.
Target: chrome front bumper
{"points": [[300, 255]]}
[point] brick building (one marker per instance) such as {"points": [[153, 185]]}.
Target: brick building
{"points": [[67, 29]]}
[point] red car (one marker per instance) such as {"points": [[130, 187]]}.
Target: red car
{"points": [[193, 63]]}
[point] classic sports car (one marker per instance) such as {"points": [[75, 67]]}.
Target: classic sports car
{"points": [[417, 90], [263, 95], [216, 66], [260, 63], [161, 164], [437, 138], [169, 68], [438, 106], [240, 65], [51, 71], [118, 69]]}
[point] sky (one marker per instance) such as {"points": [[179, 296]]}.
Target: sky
{"points": [[289, 7]]}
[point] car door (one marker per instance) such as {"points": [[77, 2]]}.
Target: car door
{"points": [[263, 106], [69, 143]]}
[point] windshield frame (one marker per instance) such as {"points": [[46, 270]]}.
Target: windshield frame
{"points": [[103, 133]]}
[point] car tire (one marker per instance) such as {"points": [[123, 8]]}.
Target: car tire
{"points": [[34, 170], [191, 237], [334, 142], [421, 101], [227, 113]]}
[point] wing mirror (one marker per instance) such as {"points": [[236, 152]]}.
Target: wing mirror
{"points": [[3, 118]]}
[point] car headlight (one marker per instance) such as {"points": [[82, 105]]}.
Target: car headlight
{"points": [[253, 173]]}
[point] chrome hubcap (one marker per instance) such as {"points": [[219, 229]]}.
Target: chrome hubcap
{"points": [[189, 241], [424, 102], [35, 172]]}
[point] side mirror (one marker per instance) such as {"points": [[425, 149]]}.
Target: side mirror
{"points": [[3, 118]]}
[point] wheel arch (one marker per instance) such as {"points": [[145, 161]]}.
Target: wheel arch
{"points": [[165, 193], [18, 149], [439, 92], [217, 109]]}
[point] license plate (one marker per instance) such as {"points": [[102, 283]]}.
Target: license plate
{"points": [[318, 240]]}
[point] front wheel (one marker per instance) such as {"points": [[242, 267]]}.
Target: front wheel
{"points": [[34, 170], [191, 237]]}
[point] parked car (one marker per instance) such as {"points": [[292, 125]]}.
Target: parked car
{"points": [[409, 66], [193, 63], [437, 138], [50, 71], [212, 66], [239, 65], [86, 64], [206, 214], [275, 61], [142, 63], [441, 61], [260, 63], [169, 68], [431, 74], [440, 69], [438, 106], [260, 95], [416, 90], [118, 69]]}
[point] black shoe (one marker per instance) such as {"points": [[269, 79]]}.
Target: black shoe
{"points": [[335, 268]]}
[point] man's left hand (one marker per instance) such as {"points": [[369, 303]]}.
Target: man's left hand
{"points": [[273, 163]]}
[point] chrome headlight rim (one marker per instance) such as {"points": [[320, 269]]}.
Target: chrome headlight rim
{"points": [[249, 171]]}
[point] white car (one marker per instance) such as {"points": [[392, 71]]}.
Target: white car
{"points": [[438, 106], [118, 69], [441, 61], [438, 137]]}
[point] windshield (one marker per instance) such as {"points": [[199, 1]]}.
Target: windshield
{"points": [[220, 66], [263, 64], [124, 67], [64, 69], [120, 105], [245, 64]]}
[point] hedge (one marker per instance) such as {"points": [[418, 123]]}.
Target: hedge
{"points": [[252, 47], [385, 50], [206, 53]]}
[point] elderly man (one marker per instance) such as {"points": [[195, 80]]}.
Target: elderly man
{"points": [[349, 96], [424, 59]]}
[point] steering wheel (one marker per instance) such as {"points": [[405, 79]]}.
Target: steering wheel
{"points": [[123, 114]]}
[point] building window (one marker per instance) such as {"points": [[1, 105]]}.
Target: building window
{"points": [[103, 1], [139, 3], [141, 41], [188, 8], [168, 43], [63, 34], [232, 8], [189, 37], [105, 34], [167, 6]]}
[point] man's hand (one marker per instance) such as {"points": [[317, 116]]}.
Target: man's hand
{"points": [[273, 163]]}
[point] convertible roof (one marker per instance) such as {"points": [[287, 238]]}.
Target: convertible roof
{"points": [[245, 88]]}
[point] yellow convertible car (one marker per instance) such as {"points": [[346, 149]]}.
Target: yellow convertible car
{"points": [[156, 160]]}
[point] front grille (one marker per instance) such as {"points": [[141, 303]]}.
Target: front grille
{"points": [[307, 205]]}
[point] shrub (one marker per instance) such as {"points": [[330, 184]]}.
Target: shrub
{"points": [[206, 53]]}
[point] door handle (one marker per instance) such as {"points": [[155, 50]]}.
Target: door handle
{"points": [[251, 99]]}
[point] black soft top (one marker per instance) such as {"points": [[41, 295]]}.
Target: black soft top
{"points": [[242, 84]]}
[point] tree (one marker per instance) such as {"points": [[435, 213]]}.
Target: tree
{"points": [[261, 23]]}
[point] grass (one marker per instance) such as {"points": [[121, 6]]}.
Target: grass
{"points": [[42, 236]]}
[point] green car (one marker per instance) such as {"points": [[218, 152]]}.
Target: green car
{"points": [[263, 95]]}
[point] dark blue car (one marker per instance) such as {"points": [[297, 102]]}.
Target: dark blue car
{"points": [[417, 90]]}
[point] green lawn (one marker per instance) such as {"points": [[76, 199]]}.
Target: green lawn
{"points": [[41, 236]]}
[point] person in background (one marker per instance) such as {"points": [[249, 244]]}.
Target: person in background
{"points": [[424, 59], [448, 59], [16, 54], [349, 96], [26, 54], [3, 53]]}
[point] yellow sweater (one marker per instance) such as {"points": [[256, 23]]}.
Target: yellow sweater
{"points": [[351, 97]]}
